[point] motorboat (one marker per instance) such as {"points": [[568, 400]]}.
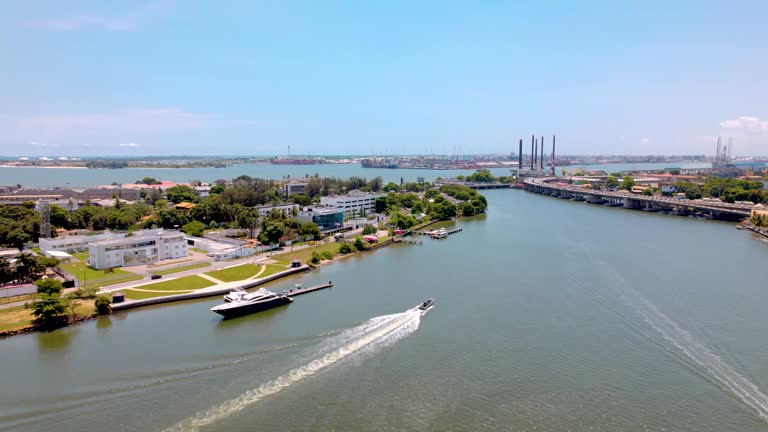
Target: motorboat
{"points": [[235, 294], [250, 303], [440, 234], [241, 294], [426, 304]]}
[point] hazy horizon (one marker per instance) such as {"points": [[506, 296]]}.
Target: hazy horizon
{"points": [[161, 77]]}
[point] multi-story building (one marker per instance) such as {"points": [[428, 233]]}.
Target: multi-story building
{"points": [[75, 243], [111, 193], [286, 209], [144, 247], [354, 204], [293, 187], [326, 218]]}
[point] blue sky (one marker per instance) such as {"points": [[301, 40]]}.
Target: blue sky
{"points": [[251, 77]]}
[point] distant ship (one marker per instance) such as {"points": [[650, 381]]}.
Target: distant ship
{"points": [[286, 161], [378, 163]]}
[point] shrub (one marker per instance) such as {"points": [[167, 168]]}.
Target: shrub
{"points": [[102, 303], [345, 249], [359, 245], [326, 255], [369, 229], [315, 258]]}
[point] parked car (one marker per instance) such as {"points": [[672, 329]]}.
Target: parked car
{"points": [[155, 276]]}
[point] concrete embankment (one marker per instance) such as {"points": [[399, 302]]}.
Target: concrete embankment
{"points": [[207, 292]]}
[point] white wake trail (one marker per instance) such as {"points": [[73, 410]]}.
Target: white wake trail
{"points": [[374, 333]]}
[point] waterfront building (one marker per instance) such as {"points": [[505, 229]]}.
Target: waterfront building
{"points": [[355, 203], [294, 187], [75, 243], [325, 217], [144, 247], [221, 249], [286, 209]]}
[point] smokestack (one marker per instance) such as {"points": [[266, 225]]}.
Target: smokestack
{"points": [[553, 155], [520, 156], [535, 152], [532, 144], [541, 154]]}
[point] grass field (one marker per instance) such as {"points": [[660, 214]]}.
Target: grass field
{"points": [[304, 255], [19, 317], [98, 278], [236, 273], [182, 268], [140, 295], [82, 256], [183, 284]]}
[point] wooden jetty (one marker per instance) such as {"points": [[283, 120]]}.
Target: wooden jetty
{"points": [[406, 240], [299, 291]]}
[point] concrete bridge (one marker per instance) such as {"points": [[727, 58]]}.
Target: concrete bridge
{"points": [[711, 209], [476, 185]]}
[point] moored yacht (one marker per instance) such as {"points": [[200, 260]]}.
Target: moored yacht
{"points": [[250, 303]]}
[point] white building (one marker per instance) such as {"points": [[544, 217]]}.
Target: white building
{"points": [[354, 204], [286, 209], [144, 247], [221, 250], [75, 243]]}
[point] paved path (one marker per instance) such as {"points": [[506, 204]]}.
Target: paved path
{"points": [[212, 279]]}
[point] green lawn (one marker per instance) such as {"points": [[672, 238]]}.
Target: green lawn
{"points": [[186, 283], [272, 269], [236, 273], [182, 268], [82, 256], [14, 318], [304, 255], [140, 295], [98, 278]]}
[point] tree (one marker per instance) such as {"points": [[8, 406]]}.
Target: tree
{"points": [[194, 228], [359, 245], [248, 218], [181, 193], [49, 308], [147, 181], [272, 232], [648, 192], [302, 200], [611, 182], [390, 187], [309, 229], [103, 304], [345, 249], [375, 183], [467, 209], [627, 183], [28, 267], [369, 229], [315, 258]]}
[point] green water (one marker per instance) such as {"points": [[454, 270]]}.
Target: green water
{"points": [[551, 315]]}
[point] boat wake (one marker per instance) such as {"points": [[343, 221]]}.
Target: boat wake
{"points": [[372, 335], [681, 343]]}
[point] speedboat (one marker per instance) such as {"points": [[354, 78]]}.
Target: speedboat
{"points": [[426, 304], [254, 302]]}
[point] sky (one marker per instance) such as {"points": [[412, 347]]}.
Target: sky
{"points": [[246, 77]]}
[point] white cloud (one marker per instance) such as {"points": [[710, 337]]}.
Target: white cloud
{"points": [[127, 21], [747, 124], [131, 144]]}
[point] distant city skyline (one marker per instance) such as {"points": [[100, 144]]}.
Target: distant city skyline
{"points": [[164, 77]]}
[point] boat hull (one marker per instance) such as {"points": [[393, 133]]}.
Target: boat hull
{"points": [[237, 309]]}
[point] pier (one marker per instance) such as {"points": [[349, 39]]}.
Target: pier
{"points": [[299, 291], [433, 233]]}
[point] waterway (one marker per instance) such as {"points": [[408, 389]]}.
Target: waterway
{"points": [[550, 315], [67, 177]]}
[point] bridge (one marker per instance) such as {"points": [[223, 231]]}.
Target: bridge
{"points": [[714, 209], [475, 185]]}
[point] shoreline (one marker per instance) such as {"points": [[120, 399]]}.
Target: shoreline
{"points": [[209, 292]]}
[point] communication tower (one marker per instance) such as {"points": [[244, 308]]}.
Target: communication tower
{"points": [[44, 207]]}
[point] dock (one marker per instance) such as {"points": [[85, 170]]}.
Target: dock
{"points": [[299, 291], [433, 233]]}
